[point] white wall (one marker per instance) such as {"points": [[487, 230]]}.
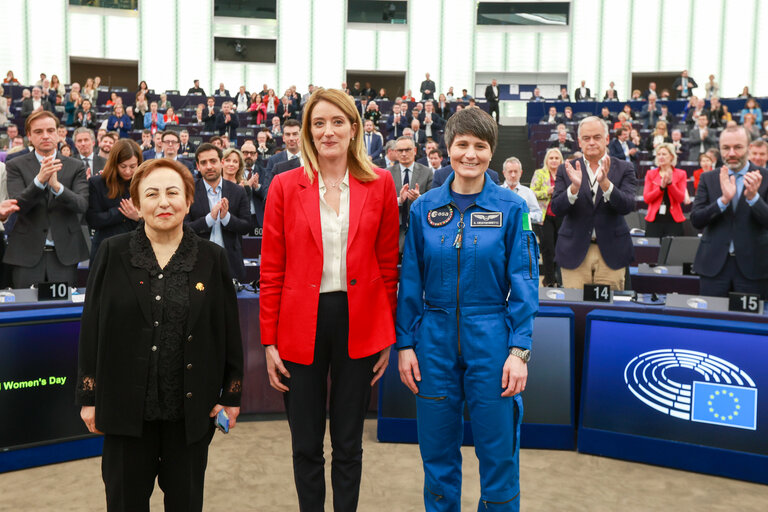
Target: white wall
{"points": [[606, 41]]}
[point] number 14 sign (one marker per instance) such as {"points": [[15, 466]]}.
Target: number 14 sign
{"points": [[597, 293]]}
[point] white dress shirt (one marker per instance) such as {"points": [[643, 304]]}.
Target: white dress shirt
{"points": [[335, 233], [530, 198], [214, 196]]}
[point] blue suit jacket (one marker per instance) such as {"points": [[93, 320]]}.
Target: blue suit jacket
{"points": [[148, 121], [616, 151], [377, 144], [605, 217], [441, 175]]}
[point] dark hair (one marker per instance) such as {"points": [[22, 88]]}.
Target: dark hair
{"points": [[124, 149], [291, 122], [214, 139], [149, 166], [37, 115], [145, 132], [207, 146], [170, 132], [620, 131], [439, 153], [472, 121]]}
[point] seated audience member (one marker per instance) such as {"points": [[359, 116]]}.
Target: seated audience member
{"points": [[417, 134], [222, 91], [758, 152], [752, 107], [233, 166], [450, 96], [64, 139], [716, 113], [258, 110], [276, 130], [610, 93], [105, 144], [156, 151], [636, 95], [291, 140], [390, 156], [681, 149], [242, 100], [171, 144], [568, 115], [627, 109], [110, 209], [543, 186], [605, 115], [263, 149], [227, 121], [665, 95], [146, 140], [664, 192], [745, 93], [556, 134], [84, 142], [153, 120], [209, 115], [219, 212], [634, 136], [163, 103], [435, 160], [120, 122], [46, 242], [666, 116], [372, 113], [85, 116], [551, 117], [186, 147], [35, 103], [706, 164], [286, 110], [89, 92], [727, 117], [730, 207], [537, 95], [621, 147], [698, 109], [374, 142], [382, 96], [562, 143], [196, 90], [564, 96], [465, 96], [65, 150], [658, 136], [429, 146], [170, 117], [139, 111], [751, 127], [513, 170], [10, 79]]}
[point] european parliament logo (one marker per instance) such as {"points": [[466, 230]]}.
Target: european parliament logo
{"points": [[694, 386]]}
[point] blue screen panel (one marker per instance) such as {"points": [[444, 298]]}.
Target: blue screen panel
{"points": [[673, 380]]}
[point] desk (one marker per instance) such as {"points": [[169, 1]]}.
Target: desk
{"points": [[650, 280]]}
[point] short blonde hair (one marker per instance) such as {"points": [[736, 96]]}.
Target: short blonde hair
{"points": [[357, 157], [552, 150], [670, 148]]}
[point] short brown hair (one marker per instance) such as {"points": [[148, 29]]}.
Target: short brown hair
{"points": [[38, 115], [150, 166]]}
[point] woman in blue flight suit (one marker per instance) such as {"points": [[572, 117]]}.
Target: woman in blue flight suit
{"points": [[467, 300]]}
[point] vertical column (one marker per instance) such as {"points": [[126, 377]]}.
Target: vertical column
{"points": [[13, 44], [613, 50], [705, 45], [423, 36], [45, 38], [737, 49], [159, 37], [295, 52], [457, 47], [195, 36], [327, 45], [585, 42]]}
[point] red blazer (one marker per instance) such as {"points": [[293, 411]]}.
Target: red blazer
{"points": [[652, 194], [292, 265]]}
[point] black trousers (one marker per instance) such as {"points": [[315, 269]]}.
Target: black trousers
{"points": [[305, 403], [548, 238], [663, 226], [730, 279], [493, 106], [129, 466]]}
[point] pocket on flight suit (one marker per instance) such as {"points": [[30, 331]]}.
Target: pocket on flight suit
{"points": [[508, 498], [430, 352]]}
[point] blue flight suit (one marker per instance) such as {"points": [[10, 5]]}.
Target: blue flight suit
{"points": [[465, 299]]}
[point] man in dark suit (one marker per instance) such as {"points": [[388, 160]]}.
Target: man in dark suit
{"points": [[552, 117], [258, 179], [286, 110], [368, 92], [186, 148], [292, 143], [492, 97], [621, 147], [730, 206], [583, 93], [222, 91], [443, 173], [390, 156], [157, 149], [286, 165], [417, 134], [220, 210], [396, 123], [566, 146], [684, 85], [411, 180], [592, 195], [650, 91], [84, 141], [36, 103], [227, 121], [171, 143], [701, 139], [197, 90], [209, 115], [433, 124], [46, 242], [427, 88], [564, 96], [650, 113], [374, 142]]}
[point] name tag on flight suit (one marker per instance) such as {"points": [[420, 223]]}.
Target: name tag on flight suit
{"points": [[485, 220]]}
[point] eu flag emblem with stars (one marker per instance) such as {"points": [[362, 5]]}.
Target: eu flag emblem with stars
{"points": [[726, 405]]}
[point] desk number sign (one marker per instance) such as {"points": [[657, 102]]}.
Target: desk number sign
{"points": [[597, 293], [744, 302], [52, 291]]}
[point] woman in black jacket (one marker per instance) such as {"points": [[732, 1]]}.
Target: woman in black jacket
{"points": [[160, 350], [110, 210]]}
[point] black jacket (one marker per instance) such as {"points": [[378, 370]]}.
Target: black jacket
{"points": [[116, 338], [102, 214]]}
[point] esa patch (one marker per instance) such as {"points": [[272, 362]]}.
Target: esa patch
{"points": [[440, 216], [485, 220]]}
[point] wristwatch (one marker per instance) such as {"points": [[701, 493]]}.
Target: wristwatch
{"points": [[525, 355]]}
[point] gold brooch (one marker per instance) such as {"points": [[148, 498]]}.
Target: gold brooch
{"points": [[200, 287]]}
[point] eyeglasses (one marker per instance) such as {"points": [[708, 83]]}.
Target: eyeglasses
{"points": [[246, 153], [405, 150]]}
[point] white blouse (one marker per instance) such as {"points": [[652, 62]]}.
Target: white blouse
{"points": [[335, 230]]}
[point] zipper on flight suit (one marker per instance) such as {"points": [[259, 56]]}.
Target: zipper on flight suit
{"points": [[530, 260], [457, 243], [486, 502]]}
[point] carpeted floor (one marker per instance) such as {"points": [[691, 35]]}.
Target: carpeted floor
{"points": [[250, 469]]}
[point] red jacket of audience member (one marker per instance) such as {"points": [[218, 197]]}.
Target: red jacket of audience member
{"points": [[653, 194], [292, 265]]}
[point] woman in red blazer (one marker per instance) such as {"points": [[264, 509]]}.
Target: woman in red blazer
{"points": [[328, 293], [664, 192]]}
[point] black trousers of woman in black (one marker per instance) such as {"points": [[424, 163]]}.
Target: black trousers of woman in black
{"points": [[305, 403], [548, 239]]}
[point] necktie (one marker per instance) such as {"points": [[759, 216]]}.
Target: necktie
{"points": [[406, 180], [87, 162], [626, 151], [368, 143]]}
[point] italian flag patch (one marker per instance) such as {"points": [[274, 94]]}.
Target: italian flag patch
{"points": [[527, 222]]}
